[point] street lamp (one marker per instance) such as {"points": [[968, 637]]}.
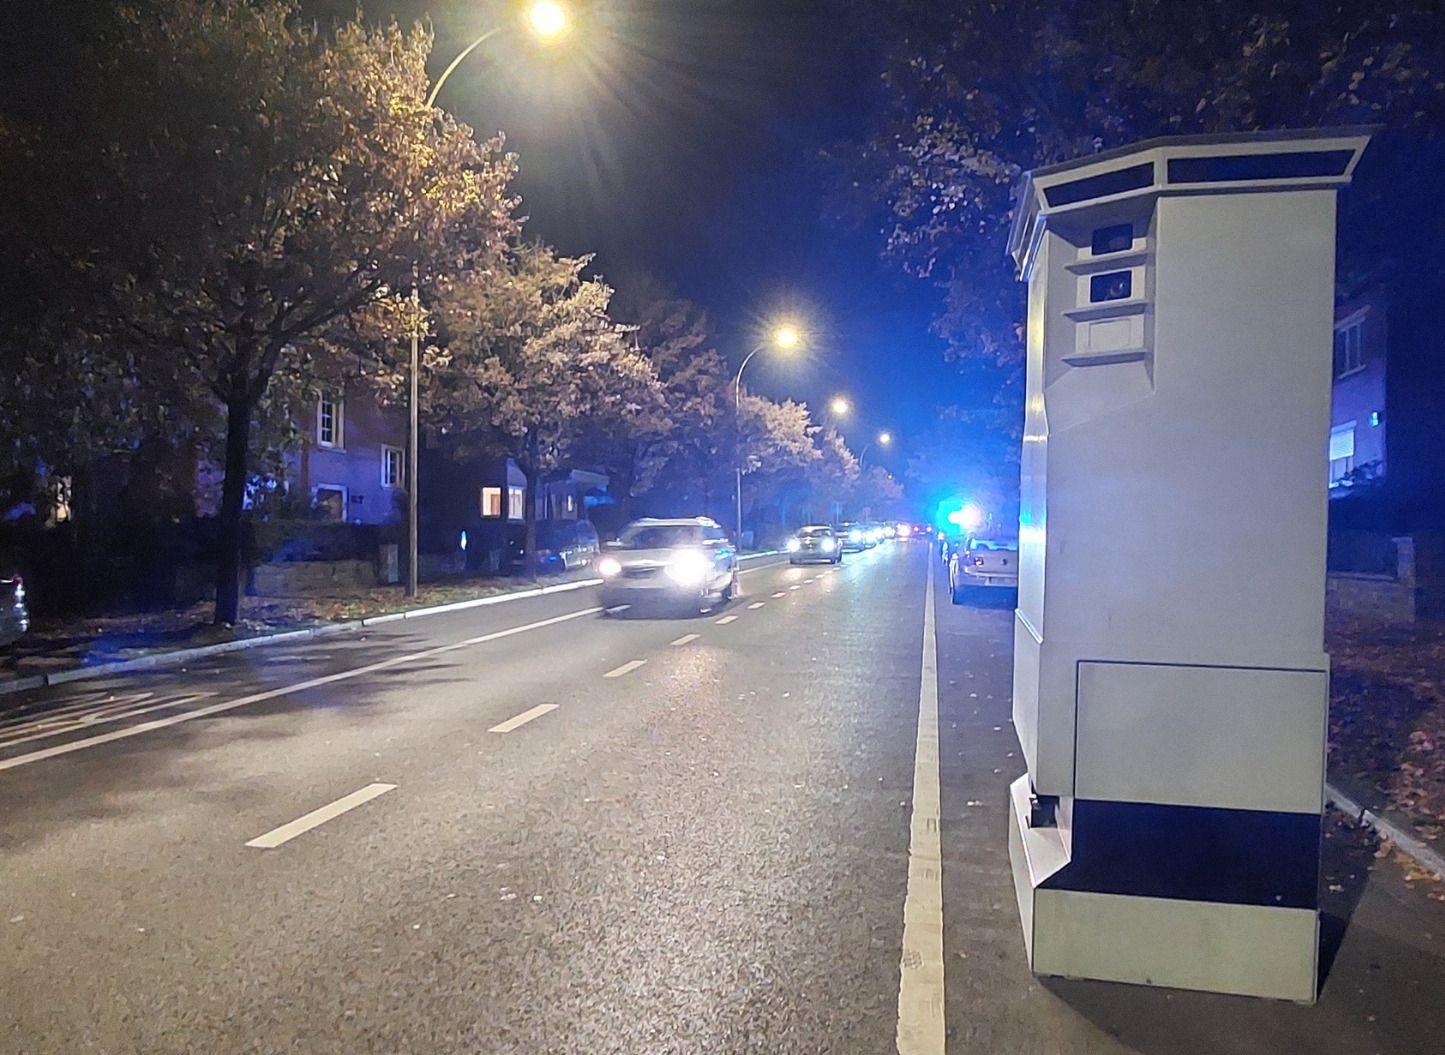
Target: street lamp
{"points": [[883, 439], [840, 406], [784, 337], [548, 22]]}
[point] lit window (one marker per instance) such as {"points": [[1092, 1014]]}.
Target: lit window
{"points": [[1342, 452], [1350, 348], [516, 503], [329, 414], [491, 501], [393, 473]]}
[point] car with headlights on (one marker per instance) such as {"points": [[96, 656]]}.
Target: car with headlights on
{"points": [[816, 542], [854, 538], [684, 564], [984, 562]]}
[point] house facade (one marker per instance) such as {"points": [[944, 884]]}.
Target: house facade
{"points": [[351, 462], [1387, 420]]}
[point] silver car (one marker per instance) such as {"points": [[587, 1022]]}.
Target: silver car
{"points": [[816, 542], [983, 563], [685, 564], [14, 616]]}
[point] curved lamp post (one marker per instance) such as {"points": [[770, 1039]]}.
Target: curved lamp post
{"points": [[547, 21], [783, 338]]}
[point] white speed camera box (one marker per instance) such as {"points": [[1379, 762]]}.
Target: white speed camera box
{"points": [[1170, 680]]}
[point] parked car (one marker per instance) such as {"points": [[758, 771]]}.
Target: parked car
{"points": [[984, 563], [14, 615], [563, 545], [683, 564], [816, 542]]}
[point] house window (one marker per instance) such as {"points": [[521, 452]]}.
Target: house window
{"points": [[491, 501], [1342, 452], [330, 501], [516, 503], [1350, 348], [393, 473], [330, 413]]}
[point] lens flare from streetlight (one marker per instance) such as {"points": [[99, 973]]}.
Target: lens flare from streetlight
{"points": [[548, 20], [840, 406], [787, 336]]}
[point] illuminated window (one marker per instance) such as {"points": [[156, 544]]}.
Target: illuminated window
{"points": [[1342, 452], [491, 501], [516, 503], [1350, 348], [329, 423], [393, 462]]}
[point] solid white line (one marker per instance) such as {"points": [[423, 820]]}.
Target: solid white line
{"points": [[271, 694], [523, 718], [687, 639], [276, 836], [626, 668], [756, 605], [725, 620], [920, 985]]}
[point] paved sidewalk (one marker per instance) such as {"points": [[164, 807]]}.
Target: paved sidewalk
{"points": [[1383, 932]]}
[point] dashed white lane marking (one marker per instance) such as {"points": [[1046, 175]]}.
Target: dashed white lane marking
{"points": [[276, 836], [523, 718], [626, 668], [285, 690], [780, 593], [687, 639], [756, 605], [920, 985], [807, 580], [725, 620], [796, 586]]}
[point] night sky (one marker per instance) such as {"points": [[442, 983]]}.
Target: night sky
{"points": [[681, 139]]}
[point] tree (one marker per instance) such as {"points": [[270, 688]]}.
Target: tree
{"points": [[250, 182], [671, 454], [978, 92], [530, 357]]}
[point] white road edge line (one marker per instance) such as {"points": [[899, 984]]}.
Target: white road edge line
{"points": [[725, 620], [756, 605], [285, 690], [523, 718], [626, 668], [920, 984], [686, 639], [301, 825]]}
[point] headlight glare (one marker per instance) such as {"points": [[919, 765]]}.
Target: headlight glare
{"points": [[794, 545], [689, 568], [827, 545], [608, 567]]}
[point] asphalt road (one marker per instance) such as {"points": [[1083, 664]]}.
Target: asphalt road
{"points": [[529, 828]]}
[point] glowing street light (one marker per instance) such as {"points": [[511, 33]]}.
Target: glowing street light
{"points": [[783, 337], [885, 438], [840, 406], [548, 22]]}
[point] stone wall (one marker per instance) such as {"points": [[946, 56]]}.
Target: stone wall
{"points": [[311, 577], [1383, 598]]}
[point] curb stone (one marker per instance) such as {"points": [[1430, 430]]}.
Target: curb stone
{"points": [[1406, 843]]}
